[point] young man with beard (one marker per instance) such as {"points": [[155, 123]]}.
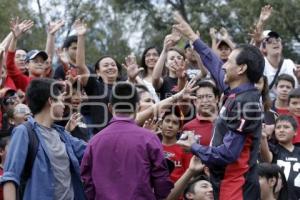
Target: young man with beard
{"points": [[206, 106], [232, 156], [55, 171]]}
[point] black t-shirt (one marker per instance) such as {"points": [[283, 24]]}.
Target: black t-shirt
{"points": [[168, 88], [98, 94], [290, 162], [59, 73]]}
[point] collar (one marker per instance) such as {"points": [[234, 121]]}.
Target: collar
{"points": [[122, 119], [242, 88], [202, 118]]}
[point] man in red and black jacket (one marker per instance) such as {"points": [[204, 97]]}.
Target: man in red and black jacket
{"points": [[233, 154]]}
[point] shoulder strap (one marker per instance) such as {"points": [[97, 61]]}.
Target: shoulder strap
{"points": [[32, 151], [277, 73]]}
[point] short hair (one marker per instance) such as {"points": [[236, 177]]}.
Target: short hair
{"points": [[191, 185], [174, 110], [39, 91], [124, 97], [3, 142], [69, 40], [143, 63], [288, 118], [285, 77], [253, 58], [208, 84], [295, 93]]}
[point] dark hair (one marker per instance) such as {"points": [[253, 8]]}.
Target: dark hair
{"points": [[174, 110], [181, 52], [191, 185], [3, 142], [267, 103], [268, 171], [119, 66], [143, 63], [69, 40], [295, 93], [141, 89], [285, 77], [124, 97], [208, 84], [39, 91], [288, 118], [252, 57]]}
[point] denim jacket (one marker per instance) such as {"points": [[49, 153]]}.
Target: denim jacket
{"points": [[41, 183]]}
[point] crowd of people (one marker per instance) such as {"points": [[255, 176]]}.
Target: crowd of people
{"points": [[217, 121]]}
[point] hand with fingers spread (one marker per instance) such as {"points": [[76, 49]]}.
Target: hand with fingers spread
{"points": [[18, 29], [151, 124], [80, 27], [265, 13], [184, 28], [132, 68], [224, 34], [186, 92], [53, 27], [74, 120]]}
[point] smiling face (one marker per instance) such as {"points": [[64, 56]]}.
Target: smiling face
{"points": [[206, 102], [231, 67], [37, 66], [151, 58], [284, 132], [108, 69]]}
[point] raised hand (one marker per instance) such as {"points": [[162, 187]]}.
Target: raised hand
{"points": [[213, 33], [170, 41], [151, 124], [132, 68], [224, 34], [80, 27], [187, 142], [265, 13], [180, 69], [73, 121], [196, 165], [20, 28], [183, 27], [188, 89], [53, 27]]}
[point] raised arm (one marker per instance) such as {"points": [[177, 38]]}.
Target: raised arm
{"points": [[208, 57], [226, 37], [266, 154], [157, 80], [213, 36], [83, 70], [53, 27]]}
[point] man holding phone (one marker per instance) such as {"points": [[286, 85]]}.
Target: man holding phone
{"points": [[232, 155]]}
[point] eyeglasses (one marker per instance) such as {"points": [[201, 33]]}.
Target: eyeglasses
{"points": [[206, 96], [273, 40]]}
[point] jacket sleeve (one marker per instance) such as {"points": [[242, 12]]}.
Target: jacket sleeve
{"points": [[160, 180], [86, 174], [16, 156], [212, 62]]}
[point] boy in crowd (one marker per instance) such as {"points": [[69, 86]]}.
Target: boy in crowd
{"points": [[284, 84], [170, 128], [294, 109], [199, 188], [55, 171], [285, 154], [206, 106]]}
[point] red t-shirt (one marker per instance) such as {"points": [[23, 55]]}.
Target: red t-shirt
{"points": [[180, 158], [21, 81], [201, 127], [282, 111], [297, 137]]}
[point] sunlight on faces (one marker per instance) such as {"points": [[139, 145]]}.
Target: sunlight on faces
{"points": [[294, 106], [282, 89], [151, 58], [170, 126], [107, 69], [284, 132], [173, 57]]}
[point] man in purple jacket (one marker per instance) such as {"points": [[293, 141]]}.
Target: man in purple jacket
{"points": [[125, 161]]}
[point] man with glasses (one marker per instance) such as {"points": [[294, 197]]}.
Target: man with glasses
{"points": [[274, 61], [206, 111]]}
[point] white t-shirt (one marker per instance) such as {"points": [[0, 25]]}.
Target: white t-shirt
{"points": [[286, 68]]}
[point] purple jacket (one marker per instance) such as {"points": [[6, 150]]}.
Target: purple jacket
{"points": [[125, 161]]}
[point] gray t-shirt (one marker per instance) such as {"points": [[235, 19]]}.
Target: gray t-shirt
{"points": [[60, 164]]}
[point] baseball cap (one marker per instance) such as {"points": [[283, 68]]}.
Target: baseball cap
{"points": [[270, 34], [220, 42], [34, 53]]}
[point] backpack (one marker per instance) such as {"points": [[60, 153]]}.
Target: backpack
{"points": [[33, 145]]}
